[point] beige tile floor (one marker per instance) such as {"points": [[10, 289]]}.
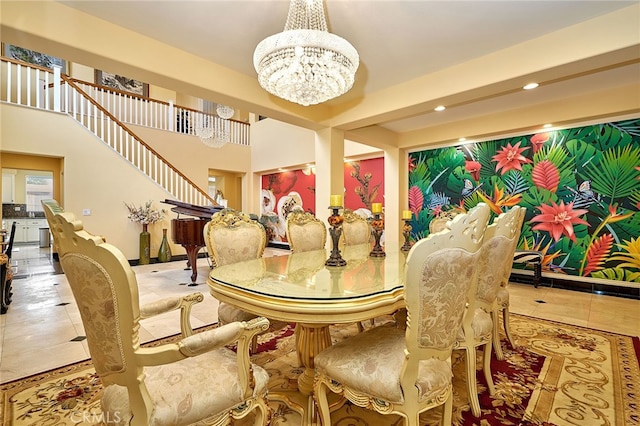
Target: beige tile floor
{"points": [[38, 330]]}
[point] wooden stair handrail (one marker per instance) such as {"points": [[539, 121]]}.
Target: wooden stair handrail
{"points": [[71, 83]]}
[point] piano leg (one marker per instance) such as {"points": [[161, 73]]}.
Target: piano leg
{"points": [[192, 256]]}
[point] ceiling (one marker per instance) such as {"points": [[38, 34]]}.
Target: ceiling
{"points": [[398, 41]]}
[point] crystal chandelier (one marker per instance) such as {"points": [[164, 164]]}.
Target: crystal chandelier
{"points": [[215, 132], [215, 136], [225, 111], [305, 63]]}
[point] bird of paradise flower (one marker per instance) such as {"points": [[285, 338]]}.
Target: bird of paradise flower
{"points": [[547, 258], [499, 199]]}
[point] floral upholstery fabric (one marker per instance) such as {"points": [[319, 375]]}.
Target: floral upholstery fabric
{"points": [[355, 229], [371, 362], [95, 295], [237, 244], [186, 391], [481, 324], [228, 313], [495, 264], [307, 237], [446, 278]]}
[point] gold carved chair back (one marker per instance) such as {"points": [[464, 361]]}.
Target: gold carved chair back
{"points": [[355, 228], [232, 236], [305, 232], [139, 383]]}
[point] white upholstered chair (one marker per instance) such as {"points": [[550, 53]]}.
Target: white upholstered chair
{"points": [[194, 380], [305, 232], [478, 326], [394, 371], [511, 227], [355, 228], [232, 236]]}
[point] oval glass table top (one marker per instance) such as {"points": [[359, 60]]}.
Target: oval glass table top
{"points": [[304, 275]]}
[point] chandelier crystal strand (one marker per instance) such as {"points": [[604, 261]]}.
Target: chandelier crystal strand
{"points": [[305, 63], [214, 132]]}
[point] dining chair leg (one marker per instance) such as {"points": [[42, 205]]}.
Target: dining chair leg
{"points": [[412, 420], [447, 410], [495, 318], [472, 382], [486, 366], [323, 404], [505, 322]]}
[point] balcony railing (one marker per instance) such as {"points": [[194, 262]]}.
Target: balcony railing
{"points": [[42, 88]]}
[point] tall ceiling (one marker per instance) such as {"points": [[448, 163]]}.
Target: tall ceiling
{"points": [[415, 49]]}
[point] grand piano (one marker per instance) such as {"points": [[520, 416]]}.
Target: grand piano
{"points": [[188, 232]]}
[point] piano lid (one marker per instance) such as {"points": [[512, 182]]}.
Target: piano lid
{"points": [[203, 212]]}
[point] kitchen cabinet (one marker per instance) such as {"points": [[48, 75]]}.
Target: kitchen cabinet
{"points": [[8, 188], [28, 230]]}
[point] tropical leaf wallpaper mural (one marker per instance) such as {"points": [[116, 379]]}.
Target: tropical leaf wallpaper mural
{"points": [[580, 186]]}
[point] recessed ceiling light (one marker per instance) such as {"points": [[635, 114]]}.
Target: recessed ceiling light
{"points": [[546, 126], [530, 86], [440, 108], [462, 139]]}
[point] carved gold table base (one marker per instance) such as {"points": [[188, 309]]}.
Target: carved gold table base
{"points": [[311, 339]]}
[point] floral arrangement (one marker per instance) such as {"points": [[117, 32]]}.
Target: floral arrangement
{"points": [[145, 214]]}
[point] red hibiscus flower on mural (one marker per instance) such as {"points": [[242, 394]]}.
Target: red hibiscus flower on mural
{"points": [[473, 167], [559, 219], [510, 158], [538, 140]]}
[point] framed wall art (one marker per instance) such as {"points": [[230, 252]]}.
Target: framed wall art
{"points": [[122, 83], [33, 57]]}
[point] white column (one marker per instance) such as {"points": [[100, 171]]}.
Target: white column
{"points": [[393, 171], [329, 152]]}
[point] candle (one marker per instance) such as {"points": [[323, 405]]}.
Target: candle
{"points": [[335, 201], [406, 214], [376, 207]]}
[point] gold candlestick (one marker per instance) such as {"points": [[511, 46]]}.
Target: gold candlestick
{"points": [[406, 232], [335, 221], [377, 224]]}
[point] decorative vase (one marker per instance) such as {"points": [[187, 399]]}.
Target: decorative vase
{"points": [[164, 253], [145, 244]]}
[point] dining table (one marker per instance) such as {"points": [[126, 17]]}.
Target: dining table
{"points": [[299, 288]]}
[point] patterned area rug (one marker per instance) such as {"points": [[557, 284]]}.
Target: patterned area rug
{"points": [[558, 375]]}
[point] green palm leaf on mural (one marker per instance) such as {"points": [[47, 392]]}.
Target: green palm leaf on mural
{"points": [[610, 137], [583, 153], [615, 176], [483, 152]]}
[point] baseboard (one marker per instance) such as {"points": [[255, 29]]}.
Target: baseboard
{"points": [[526, 277]]}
